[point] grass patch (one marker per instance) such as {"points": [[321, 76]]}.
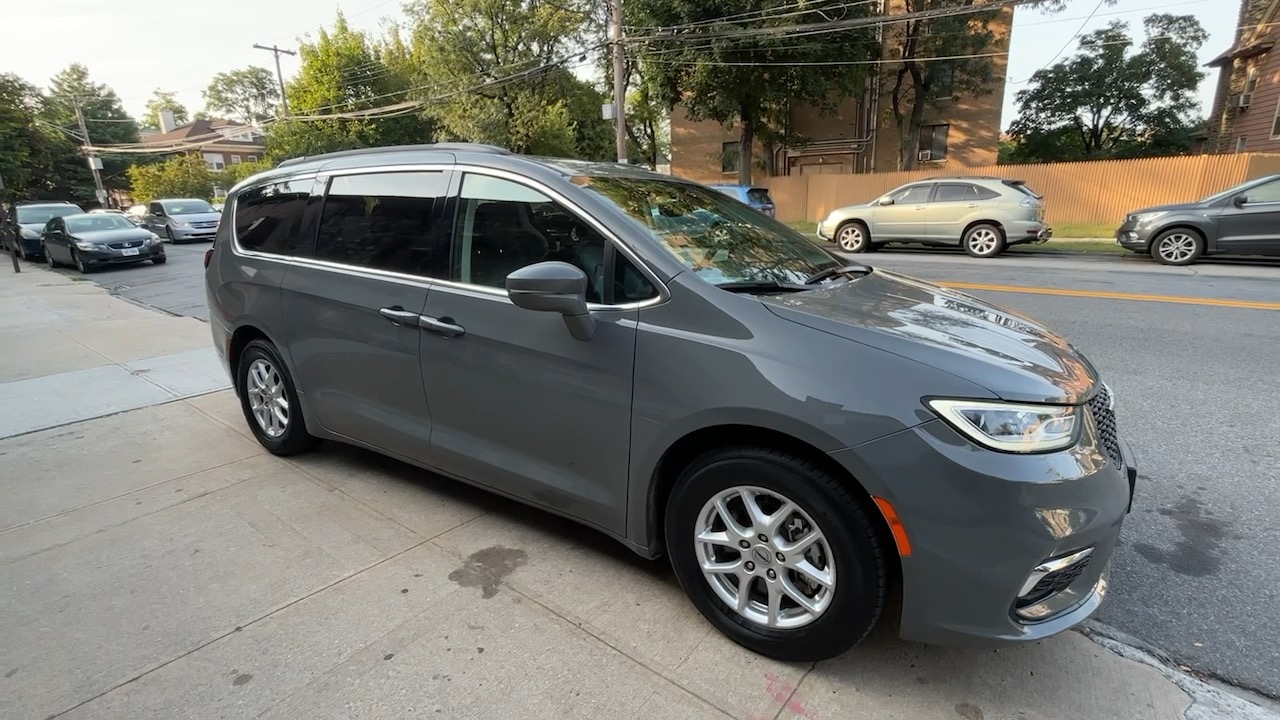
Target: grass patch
{"points": [[807, 228], [1084, 230]]}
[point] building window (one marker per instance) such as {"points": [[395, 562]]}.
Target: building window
{"points": [[1275, 123], [933, 143], [730, 155], [235, 159], [252, 158], [1250, 79], [944, 81], [1240, 142]]}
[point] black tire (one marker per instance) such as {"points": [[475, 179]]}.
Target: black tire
{"points": [[159, 260], [78, 261], [983, 240], [858, 555], [1177, 246], [48, 257], [168, 233], [853, 237], [295, 438]]}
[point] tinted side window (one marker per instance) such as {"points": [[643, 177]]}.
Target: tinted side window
{"points": [[154, 208], [986, 193], [386, 221], [1266, 192], [269, 218], [629, 284], [504, 226], [913, 194]]}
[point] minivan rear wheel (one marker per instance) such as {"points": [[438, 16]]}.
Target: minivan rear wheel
{"points": [[776, 553], [270, 400]]}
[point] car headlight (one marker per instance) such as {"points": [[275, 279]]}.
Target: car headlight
{"points": [[86, 246], [182, 224], [1146, 217], [153, 240], [1012, 427]]}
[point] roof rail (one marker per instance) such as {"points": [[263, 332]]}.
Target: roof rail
{"points": [[446, 146]]}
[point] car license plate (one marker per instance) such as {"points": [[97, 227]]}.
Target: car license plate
{"points": [[129, 251]]}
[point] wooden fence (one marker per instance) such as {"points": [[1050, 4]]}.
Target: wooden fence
{"points": [[1078, 192]]}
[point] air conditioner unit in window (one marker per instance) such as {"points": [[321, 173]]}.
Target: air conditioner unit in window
{"points": [[1243, 101], [924, 155]]}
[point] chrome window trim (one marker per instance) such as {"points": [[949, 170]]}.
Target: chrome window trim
{"points": [[323, 176]]}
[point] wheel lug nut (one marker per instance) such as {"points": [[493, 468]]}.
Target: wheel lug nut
{"points": [[772, 575], [781, 558], [751, 567], [744, 544], [763, 537]]}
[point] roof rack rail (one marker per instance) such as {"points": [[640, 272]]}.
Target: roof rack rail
{"points": [[445, 146]]}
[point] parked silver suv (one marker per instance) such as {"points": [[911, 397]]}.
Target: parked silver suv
{"points": [[656, 360], [984, 215]]}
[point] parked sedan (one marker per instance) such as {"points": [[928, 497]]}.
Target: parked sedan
{"points": [[1243, 220], [182, 220], [984, 215], [26, 220], [89, 241]]}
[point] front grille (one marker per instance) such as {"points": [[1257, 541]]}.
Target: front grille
{"points": [[205, 225], [123, 245], [1104, 416], [1054, 583]]}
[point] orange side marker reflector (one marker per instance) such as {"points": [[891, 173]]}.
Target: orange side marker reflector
{"points": [[895, 526]]}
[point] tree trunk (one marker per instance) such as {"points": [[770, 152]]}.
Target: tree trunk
{"points": [[746, 115]]}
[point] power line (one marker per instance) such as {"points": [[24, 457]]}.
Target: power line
{"points": [[1065, 45], [748, 16]]}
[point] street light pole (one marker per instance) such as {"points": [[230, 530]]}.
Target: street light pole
{"points": [[284, 101], [619, 82], [100, 191]]}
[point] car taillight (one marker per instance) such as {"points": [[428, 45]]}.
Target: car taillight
{"points": [[208, 255]]}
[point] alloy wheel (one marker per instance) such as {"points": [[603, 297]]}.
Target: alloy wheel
{"points": [[765, 557], [851, 238], [1176, 248], [79, 260], [267, 398], [983, 241]]}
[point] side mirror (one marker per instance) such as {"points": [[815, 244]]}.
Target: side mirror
{"points": [[885, 201], [554, 287], [1240, 200]]}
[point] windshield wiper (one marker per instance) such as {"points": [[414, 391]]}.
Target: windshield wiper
{"points": [[854, 269], [761, 286]]}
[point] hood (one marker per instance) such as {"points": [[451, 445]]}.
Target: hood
{"points": [[100, 237], [197, 217], [1167, 208], [1015, 358], [33, 227]]}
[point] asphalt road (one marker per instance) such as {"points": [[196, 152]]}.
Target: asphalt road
{"points": [[1196, 381]]}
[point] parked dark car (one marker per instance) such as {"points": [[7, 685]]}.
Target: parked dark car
{"points": [[1243, 220], [26, 220], [795, 431], [751, 196], [182, 220], [92, 240]]}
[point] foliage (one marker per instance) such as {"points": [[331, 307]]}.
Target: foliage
{"points": [[249, 94], [164, 100], [179, 176], [23, 148], [1108, 101], [717, 77], [68, 173], [344, 71], [510, 49], [236, 172], [648, 135]]}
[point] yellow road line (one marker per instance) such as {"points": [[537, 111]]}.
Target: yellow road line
{"points": [[1104, 295]]}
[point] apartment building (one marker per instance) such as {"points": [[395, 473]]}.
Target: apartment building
{"points": [[1245, 116], [959, 130]]}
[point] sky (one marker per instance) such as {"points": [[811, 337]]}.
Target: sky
{"points": [[179, 46]]}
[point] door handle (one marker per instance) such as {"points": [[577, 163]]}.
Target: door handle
{"points": [[441, 326], [399, 316], [973, 204]]}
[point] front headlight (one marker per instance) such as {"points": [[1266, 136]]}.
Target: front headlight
{"points": [[153, 240], [182, 224], [86, 246], [1146, 217], [1012, 427]]}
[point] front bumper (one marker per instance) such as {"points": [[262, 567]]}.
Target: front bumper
{"points": [[189, 234], [981, 522], [31, 247], [1132, 237], [111, 256]]}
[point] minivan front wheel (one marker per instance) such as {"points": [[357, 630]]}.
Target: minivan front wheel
{"points": [[270, 400], [984, 241], [852, 237], [776, 553]]}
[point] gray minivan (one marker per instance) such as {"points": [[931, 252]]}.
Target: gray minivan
{"points": [[653, 359]]}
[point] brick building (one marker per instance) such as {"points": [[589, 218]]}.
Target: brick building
{"points": [[1246, 104], [862, 136]]}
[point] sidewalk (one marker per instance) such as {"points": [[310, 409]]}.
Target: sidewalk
{"points": [[156, 563]]}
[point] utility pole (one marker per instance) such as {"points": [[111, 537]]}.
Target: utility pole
{"points": [[284, 102], [619, 82], [94, 162]]}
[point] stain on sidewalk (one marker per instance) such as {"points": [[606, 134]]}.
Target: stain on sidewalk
{"points": [[487, 568]]}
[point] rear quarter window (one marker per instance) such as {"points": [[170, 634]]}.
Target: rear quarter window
{"points": [[268, 218], [987, 193]]}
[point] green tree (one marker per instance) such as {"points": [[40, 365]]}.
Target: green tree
{"points": [[179, 176], [23, 147], [511, 49], [1109, 100], [234, 173], [344, 72], [164, 100], [107, 122], [249, 94], [743, 70]]}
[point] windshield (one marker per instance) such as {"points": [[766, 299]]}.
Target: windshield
{"points": [[715, 236], [187, 207], [98, 222], [41, 214]]}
